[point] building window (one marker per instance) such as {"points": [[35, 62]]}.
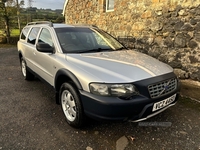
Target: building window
{"points": [[110, 5]]}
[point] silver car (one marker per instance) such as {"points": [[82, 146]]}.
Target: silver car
{"points": [[94, 75]]}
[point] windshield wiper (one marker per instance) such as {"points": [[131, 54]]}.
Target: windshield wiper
{"points": [[94, 50]]}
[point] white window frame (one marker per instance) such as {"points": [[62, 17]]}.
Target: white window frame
{"points": [[107, 6]]}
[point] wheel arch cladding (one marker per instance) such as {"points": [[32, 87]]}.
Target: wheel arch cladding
{"points": [[64, 75], [20, 55]]}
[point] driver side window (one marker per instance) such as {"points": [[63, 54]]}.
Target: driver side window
{"points": [[45, 37]]}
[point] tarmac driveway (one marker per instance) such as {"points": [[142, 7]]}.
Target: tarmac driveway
{"points": [[30, 119]]}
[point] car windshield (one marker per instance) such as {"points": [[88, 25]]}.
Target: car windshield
{"points": [[80, 40]]}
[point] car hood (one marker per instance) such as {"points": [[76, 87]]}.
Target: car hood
{"points": [[118, 66]]}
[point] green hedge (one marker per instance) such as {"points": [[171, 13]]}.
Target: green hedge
{"points": [[13, 39]]}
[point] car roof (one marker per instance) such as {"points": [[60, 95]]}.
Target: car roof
{"points": [[59, 25]]}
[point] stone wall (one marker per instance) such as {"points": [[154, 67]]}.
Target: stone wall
{"points": [[165, 29]]}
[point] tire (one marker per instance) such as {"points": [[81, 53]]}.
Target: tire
{"points": [[26, 74], [71, 105]]}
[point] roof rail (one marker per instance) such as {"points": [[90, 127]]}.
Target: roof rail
{"points": [[41, 22], [86, 25]]}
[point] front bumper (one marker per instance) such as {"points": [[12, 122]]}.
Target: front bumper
{"points": [[136, 109], [110, 108]]}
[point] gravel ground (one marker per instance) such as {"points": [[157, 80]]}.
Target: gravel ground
{"points": [[30, 119]]}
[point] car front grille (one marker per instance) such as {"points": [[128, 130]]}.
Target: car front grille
{"points": [[162, 88]]}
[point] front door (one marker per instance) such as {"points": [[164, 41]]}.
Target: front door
{"points": [[45, 61]]}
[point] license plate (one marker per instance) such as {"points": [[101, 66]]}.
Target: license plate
{"points": [[163, 103]]}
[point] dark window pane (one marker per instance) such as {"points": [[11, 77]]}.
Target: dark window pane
{"points": [[84, 39]]}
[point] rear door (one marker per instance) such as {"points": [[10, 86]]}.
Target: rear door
{"points": [[31, 48]]}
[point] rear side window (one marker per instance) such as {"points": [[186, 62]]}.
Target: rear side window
{"points": [[24, 33], [33, 35]]}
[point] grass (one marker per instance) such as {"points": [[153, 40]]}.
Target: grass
{"points": [[13, 32]]}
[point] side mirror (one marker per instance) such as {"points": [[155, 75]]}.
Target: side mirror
{"points": [[44, 47]]}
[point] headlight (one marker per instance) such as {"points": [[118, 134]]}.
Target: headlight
{"points": [[99, 89], [113, 89]]}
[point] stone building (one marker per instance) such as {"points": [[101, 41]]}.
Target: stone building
{"points": [[165, 29]]}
